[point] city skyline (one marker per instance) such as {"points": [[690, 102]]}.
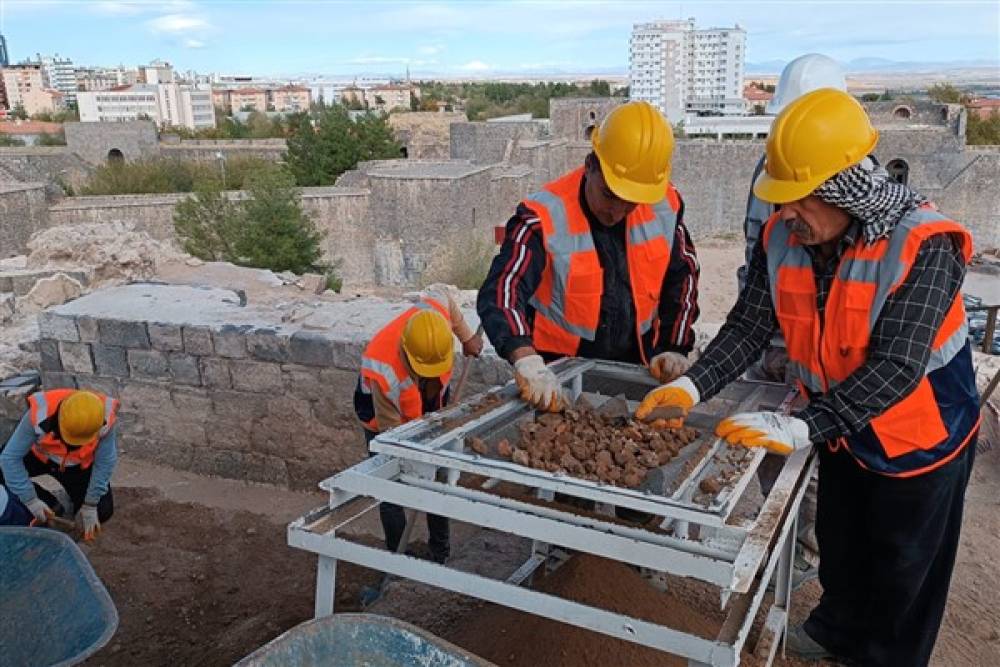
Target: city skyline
{"points": [[454, 39]]}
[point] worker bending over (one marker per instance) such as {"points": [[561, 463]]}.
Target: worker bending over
{"points": [[598, 263], [405, 371], [862, 276], [70, 435]]}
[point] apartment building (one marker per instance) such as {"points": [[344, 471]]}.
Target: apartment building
{"points": [[57, 74], [167, 104], [289, 99], [682, 70], [24, 86]]}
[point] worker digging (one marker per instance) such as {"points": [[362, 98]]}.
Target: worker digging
{"points": [[69, 435]]}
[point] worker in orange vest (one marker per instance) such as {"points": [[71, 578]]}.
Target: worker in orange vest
{"points": [[70, 435], [598, 263], [862, 275], [405, 373]]}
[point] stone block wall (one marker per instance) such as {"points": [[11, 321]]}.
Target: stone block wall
{"points": [[209, 386], [135, 140], [56, 166], [24, 210]]}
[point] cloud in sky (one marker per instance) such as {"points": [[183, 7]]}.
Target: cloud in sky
{"points": [[448, 36], [178, 23], [135, 7], [475, 66]]}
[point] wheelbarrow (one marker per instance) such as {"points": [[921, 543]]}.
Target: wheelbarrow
{"points": [[55, 610], [359, 640]]}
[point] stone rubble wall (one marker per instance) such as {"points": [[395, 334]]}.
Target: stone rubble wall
{"points": [[215, 388]]}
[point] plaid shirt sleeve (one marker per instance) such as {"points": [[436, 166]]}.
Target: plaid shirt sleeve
{"points": [[742, 339], [899, 348]]}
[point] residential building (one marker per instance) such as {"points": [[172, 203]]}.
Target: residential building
{"points": [[352, 96], [247, 99], [23, 86], [167, 104], [387, 97], [682, 70], [328, 92], [290, 98], [57, 74], [756, 98], [102, 78], [156, 72], [4, 58], [984, 107]]}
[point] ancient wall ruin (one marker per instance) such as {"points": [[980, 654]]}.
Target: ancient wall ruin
{"points": [[95, 142], [24, 210], [216, 387]]}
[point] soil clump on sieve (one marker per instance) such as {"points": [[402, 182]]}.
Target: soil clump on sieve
{"points": [[590, 444]]}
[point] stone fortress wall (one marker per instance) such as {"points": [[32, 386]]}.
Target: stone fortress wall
{"points": [[386, 221]]}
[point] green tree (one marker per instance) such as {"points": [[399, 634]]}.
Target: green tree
{"points": [[945, 92], [375, 137], [871, 97], [318, 154], [208, 224], [276, 233], [985, 131], [53, 139], [268, 229], [18, 112], [7, 140], [887, 96]]}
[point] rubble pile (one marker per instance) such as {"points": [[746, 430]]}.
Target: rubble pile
{"points": [[112, 251], [592, 445]]}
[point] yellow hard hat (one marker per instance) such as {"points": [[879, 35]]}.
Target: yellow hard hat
{"points": [[634, 145], [816, 136], [427, 344], [81, 416]]}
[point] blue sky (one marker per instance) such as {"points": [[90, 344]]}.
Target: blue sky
{"points": [[287, 37]]}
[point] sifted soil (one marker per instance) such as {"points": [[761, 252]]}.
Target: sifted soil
{"points": [[512, 638]]}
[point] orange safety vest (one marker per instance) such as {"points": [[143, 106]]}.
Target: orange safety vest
{"points": [[41, 406], [384, 363], [567, 301], [934, 422]]}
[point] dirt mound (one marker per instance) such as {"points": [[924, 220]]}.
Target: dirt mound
{"points": [[508, 637], [202, 586], [114, 251]]}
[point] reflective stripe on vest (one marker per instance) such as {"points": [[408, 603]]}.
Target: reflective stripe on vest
{"points": [[383, 362], [883, 266], [571, 254], [927, 427], [43, 405]]}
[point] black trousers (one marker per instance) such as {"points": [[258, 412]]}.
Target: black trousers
{"points": [[394, 523], [74, 479], [887, 549]]}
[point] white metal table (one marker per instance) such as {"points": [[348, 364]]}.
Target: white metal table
{"points": [[419, 465]]}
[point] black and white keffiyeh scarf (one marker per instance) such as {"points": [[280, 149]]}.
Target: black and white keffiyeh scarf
{"points": [[869, 194]]}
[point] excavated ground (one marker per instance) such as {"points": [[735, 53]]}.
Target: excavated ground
{"points": [[201, 574]]}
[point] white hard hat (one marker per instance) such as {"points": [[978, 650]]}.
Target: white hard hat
{"points": [[804, 75]]}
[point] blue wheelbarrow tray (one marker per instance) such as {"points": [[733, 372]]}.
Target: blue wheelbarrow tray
{"points": [[359, 640], [55, 610]]}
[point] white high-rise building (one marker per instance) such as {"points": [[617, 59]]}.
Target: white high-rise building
{"points": [[57, 74], [166, 104], [680, 69]]}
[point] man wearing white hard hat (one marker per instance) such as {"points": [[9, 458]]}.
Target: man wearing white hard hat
{"points": [[802, 75]]}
